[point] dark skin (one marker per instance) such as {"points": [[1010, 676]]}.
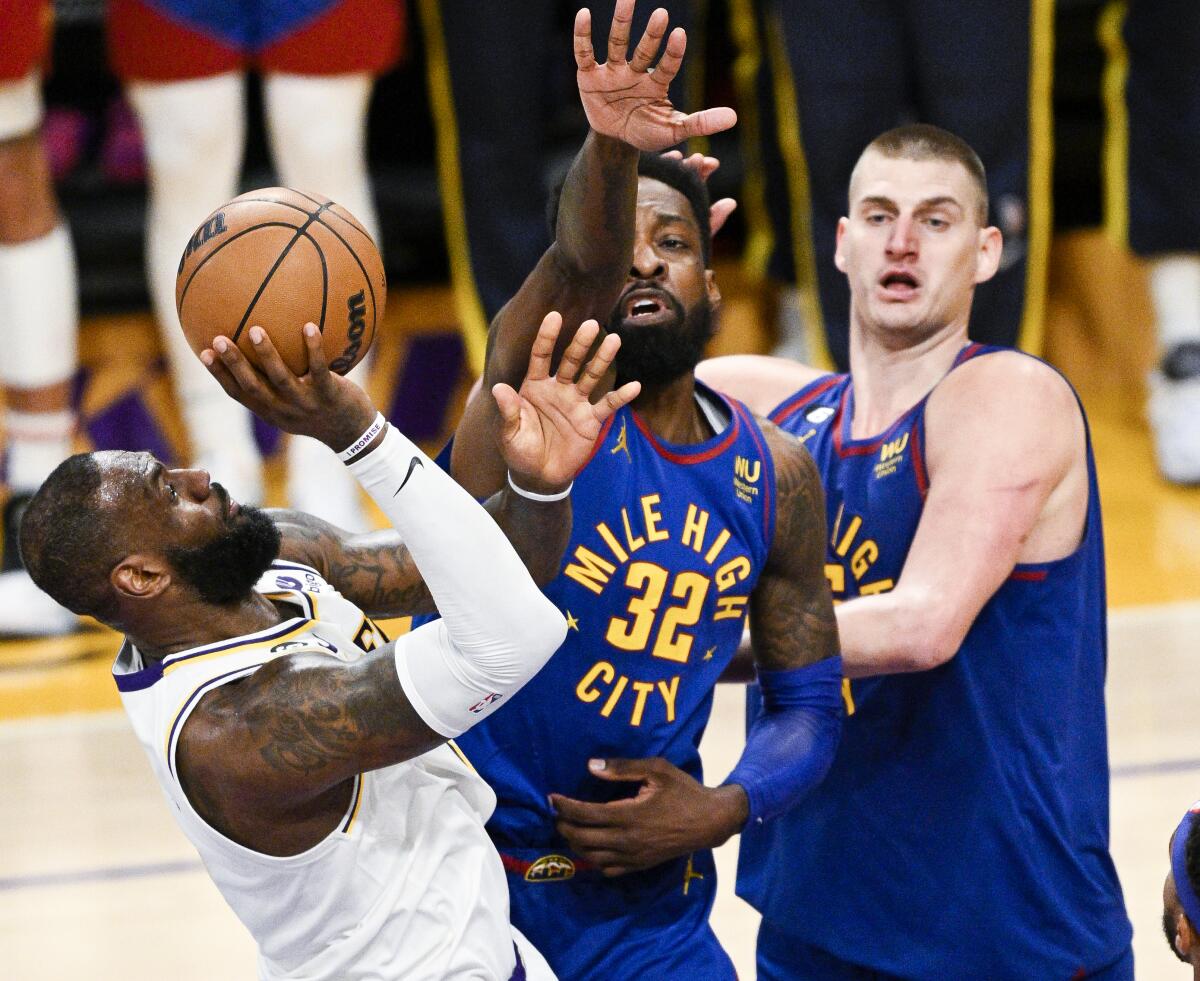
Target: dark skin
{"points": [[618, 234], [270, 760]]}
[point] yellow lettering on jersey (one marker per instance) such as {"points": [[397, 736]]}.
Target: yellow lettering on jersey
{"points": [[847, 696], [652, 518], [602, 679], [611, 541], [836, 576], [747, 470], [722, 539], [864, 557], [669, 691], [731, 607], [584, 689], [844, 546], [633, 541], [894, 448], [872, 588], [591, 572], [672, 644], [614, 697], [694, 526], [643, 688], [732, 572]]}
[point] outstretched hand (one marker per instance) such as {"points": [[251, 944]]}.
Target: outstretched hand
{"points": [[625, 98], [318, 403], [548, 429]]}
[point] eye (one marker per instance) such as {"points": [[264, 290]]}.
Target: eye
{"points": [[671, 242], [937, 223], [172, 492], [876, 218]]}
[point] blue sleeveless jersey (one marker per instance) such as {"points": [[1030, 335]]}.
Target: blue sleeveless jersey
{"points": [[248, 25], [667, 544], [965, 818]]}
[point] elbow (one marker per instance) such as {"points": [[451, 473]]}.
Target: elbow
{"points": [[930, 646]]}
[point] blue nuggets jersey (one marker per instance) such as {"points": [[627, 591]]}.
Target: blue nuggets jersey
{"points": [[963, 827], [666, 546]]}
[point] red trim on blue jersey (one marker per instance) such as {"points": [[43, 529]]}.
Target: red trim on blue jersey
{"points": [[604, 430], [918, 460], [1029, 575], [701, 456], [809, 393]]}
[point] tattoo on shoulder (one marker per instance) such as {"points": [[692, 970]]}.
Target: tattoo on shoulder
{"points": [[374, 571]]}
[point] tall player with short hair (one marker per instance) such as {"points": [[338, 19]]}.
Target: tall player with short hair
{"points": [[39, 317], [963, 828], [689, 514], [304, 756]]}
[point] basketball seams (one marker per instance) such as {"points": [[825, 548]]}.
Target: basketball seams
{"points": [[363, 269], [324, 283], [300, 233], [229, 241]]}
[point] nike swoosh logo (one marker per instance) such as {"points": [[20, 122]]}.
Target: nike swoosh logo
{"points": [[416, 462]]}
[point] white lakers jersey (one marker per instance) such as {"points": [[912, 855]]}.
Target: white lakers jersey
{"points": [[408, 885]]}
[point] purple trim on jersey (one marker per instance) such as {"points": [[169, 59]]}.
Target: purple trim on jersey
{"points": [[354, 801], [798, 400], [768, 464], [184, 711], [138, 680], [285, 628]]}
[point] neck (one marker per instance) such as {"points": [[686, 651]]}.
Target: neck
{"points": [[193, 623], [671, 412], [889, 379]]}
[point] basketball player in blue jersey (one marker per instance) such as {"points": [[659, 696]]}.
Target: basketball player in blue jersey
{"points": [[963, 828], [303, 755], [689, 514], [1181, 891]]}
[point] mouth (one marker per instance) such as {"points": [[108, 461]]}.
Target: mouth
{"points": [[899, 285], [228, 504], [647, 306]]}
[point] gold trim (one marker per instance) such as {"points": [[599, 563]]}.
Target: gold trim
{"points": [[1115, 152]]}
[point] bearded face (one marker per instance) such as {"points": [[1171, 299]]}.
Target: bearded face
{"points": [[225, 570]]}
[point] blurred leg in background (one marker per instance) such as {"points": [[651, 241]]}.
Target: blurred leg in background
{"points": [[38, 310]]}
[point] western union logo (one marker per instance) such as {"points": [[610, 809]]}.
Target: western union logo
{"points": [[894, 448], [747, 470]]}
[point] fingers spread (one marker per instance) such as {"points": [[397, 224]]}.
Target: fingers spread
{"points": [[651, 41], [719, 213], [614, 400], [705, 123], [598, 367], [543, 347], [572, 358], [618, 33], [668, 65], [585, 56]]}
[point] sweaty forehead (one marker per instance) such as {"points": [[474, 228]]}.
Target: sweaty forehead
{"points": [[908, 182], [660, 202], [123, 473]]}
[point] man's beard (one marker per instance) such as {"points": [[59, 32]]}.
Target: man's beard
{"points": [[225, 570], [659, 353]]}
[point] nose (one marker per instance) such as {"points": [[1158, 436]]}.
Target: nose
{"points": [[646, 263], [197, 482], [903, 239]]}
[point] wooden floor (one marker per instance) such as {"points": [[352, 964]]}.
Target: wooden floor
{"points": [[97, 883]]}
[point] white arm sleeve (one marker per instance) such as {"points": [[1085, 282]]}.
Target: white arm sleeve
{"points": [[497, 629]]}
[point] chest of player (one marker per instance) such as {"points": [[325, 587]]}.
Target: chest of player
{"points": [[667, 545], [874, 490]]}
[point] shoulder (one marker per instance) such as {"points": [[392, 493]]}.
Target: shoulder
{"points": [[761, 381], [797, 478], [305, 538], [1005, 404]]}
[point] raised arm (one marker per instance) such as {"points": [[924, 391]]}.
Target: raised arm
{"points": [[583, 271], [761, 381], [1007, 483], [545, 434]]}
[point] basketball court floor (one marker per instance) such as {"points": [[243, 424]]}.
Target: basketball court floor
{"points": [[97, 883]]}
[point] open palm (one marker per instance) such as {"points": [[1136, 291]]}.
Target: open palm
{"points": [[549, 428], [627, 99]]}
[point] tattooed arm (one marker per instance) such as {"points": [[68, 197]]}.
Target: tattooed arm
{"points": [[790, 744], [377, 573]]}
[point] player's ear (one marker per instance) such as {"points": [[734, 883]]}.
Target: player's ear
{"points": [[1185, 936], [140, 576], [839, 258], [991, 244], [714, 293]]}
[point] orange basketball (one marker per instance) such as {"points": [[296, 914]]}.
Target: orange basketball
{"points": [[281, 258]]}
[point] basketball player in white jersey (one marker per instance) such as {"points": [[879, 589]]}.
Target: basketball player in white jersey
{"points": [[304, 756]]}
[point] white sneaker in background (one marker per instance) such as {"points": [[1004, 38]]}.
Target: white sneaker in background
{"points": [[25, 611], [1174, 411], [319, 483]]}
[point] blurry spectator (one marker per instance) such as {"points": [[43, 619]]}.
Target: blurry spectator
{"points": [[982, 71], [492, 159], [1154, 203], [38, 308], [183, 63]]}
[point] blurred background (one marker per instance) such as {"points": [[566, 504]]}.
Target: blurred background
{"points": [[447, 123]]}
